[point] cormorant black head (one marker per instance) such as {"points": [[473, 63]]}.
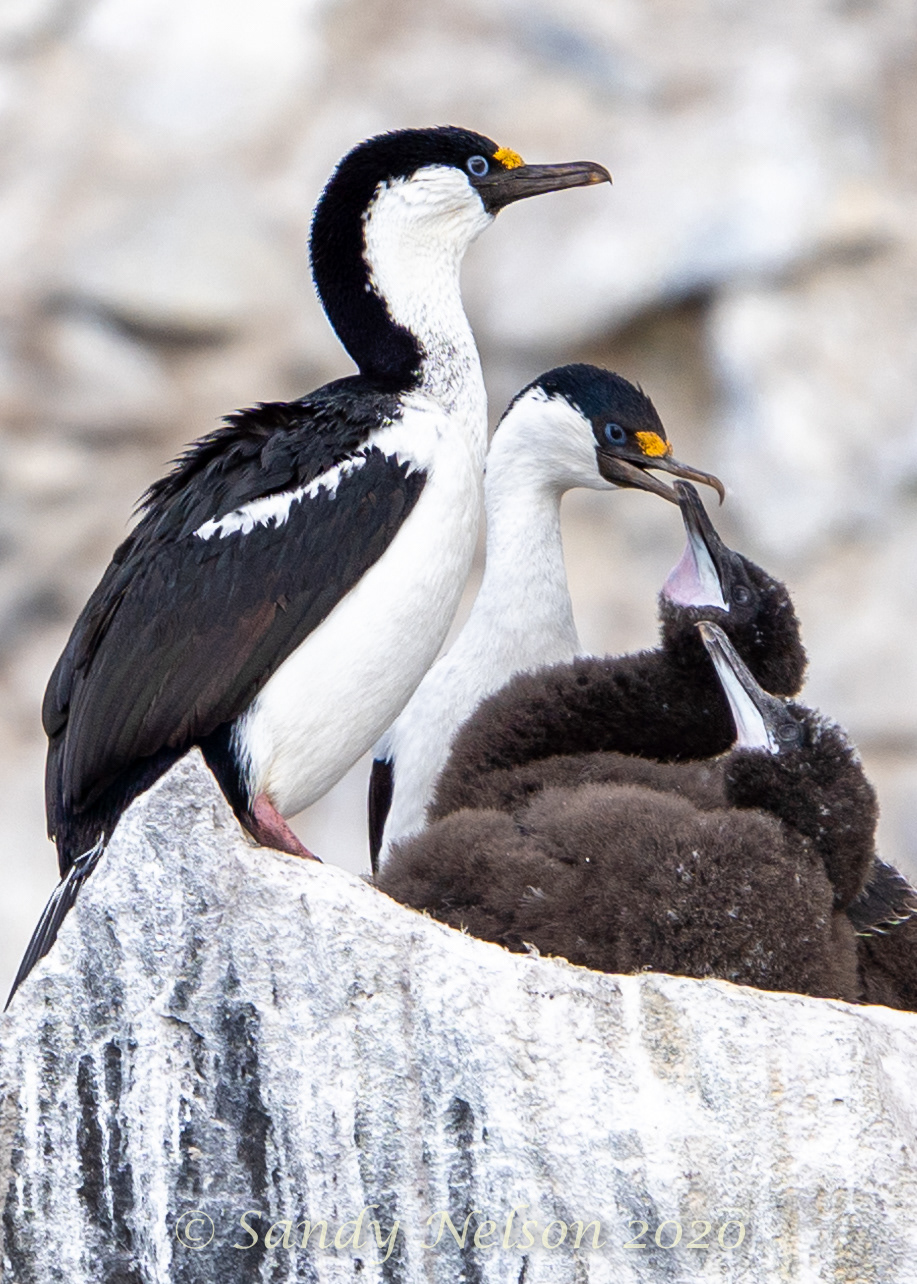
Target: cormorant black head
{"points": [[712, 582], [626, 435], [446, 182]]}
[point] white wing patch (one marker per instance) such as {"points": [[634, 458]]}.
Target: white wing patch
{"points": [[276, 508], [412, 439]]}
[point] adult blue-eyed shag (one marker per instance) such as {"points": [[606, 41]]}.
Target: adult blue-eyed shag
{"points": [[293, 577], [577, 425]]}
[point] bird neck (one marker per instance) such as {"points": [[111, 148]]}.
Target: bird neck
{"points": [[415, 271], [389, 283], [523, 607]]}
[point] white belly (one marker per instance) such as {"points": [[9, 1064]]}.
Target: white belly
{"points": [[481, 661], [335, 695]]}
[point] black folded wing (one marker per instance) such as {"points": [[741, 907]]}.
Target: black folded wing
{"points": [[207, 597]]}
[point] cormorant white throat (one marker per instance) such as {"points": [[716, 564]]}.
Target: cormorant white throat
{"points": [[293, 577], [577, 425]]}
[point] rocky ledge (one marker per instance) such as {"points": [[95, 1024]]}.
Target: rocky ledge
{"points": [[236, 1066]]}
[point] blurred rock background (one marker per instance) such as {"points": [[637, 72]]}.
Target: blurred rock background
{"points": [[754, 266]]}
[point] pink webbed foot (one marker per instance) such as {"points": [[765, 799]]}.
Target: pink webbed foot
{"points": [[269, 828]]}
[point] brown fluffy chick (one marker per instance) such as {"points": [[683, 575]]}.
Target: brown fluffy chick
{"points": [[742, 875], [562, 726], [503, 757], [664, 704]]}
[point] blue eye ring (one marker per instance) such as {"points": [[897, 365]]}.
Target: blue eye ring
{"points": [[477, 166], [615, 435]]}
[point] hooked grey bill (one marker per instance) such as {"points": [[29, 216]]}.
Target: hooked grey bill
{"points": [[633, 472], [749, 703], [695, 580], [500, 187]]}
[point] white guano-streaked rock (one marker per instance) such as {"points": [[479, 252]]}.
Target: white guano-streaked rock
{"points": [[222, 1029]]}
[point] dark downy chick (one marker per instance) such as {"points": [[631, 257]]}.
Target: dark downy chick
{"points": [[580, 723], [626, 878], [798, 766], [560, 728], [664, 704]]}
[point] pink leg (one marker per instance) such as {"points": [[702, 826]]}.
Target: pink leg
{"points": [[271, 830]]}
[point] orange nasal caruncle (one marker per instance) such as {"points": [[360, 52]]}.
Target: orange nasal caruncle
{"points": [[653, 445], [508, 158]]}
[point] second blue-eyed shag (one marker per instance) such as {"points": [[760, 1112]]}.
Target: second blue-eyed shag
{"points": [[577, 425]]}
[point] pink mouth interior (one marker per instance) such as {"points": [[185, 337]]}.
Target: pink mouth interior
{"points": [[689, 584], [683, 586]]}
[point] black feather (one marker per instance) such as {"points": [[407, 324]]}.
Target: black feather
{"points": [[887, 901], [56, 910], [379, 801]]}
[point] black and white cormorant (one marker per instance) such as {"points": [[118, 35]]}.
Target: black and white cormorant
{"points": [[293, 577], [745, 877], [577, 425]]}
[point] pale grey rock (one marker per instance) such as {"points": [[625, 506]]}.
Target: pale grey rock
{"points": [[102, 383], [25, 21], [819, 411], [208, 80], [858, 667], [770, 156], [222, 1029], [197, 264]]}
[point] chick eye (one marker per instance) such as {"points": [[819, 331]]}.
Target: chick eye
{"points": [[477, 166], [741, 595], [788, 732], [615, 434]]}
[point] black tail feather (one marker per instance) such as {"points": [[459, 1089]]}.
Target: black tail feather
{"points": [[887, 900], [54, 913], [381, 789]]}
